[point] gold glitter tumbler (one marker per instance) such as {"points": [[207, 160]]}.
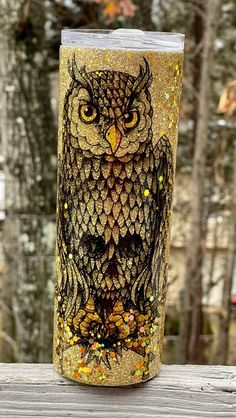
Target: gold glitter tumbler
{"points": [[118, 120]]}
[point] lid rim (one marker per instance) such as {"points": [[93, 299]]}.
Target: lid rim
{"points": [[123, 39]]}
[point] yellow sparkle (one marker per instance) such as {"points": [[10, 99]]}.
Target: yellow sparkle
{"points": [[70, 256], [146, 192], [87, 370], [66, 206], [161, 178]]}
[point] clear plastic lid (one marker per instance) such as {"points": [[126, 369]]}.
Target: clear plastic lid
{"points": [[123, 39]]}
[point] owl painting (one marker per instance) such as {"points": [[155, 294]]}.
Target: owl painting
{"points": [[114, 196]]}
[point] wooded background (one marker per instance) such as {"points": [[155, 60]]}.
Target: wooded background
{"points": [[201, 314]]}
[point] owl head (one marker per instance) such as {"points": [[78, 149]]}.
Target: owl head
{"points": [[108, 112]]}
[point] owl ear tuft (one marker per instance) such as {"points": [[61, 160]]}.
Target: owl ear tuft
{"points": [[80, 75], [74, 71], [143, 80]]}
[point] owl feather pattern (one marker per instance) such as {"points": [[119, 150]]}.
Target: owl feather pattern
{"points": [[114, 200]]}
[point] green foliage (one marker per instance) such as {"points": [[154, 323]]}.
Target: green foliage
{"points": [[172, 322]]}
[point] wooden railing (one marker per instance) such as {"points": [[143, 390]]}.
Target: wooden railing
{"points": [[36, 390]]}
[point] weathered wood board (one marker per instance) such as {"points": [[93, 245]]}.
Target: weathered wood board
{"points": [[36, 390]]}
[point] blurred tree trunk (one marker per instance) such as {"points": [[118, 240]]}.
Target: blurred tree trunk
{"points": [[191, 318], [28, 146], [224, 323], [143, 15], [198, 34]]}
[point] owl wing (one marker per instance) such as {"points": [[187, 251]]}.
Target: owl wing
{"points": [[164, 174], [73, 283], [149, 279]]}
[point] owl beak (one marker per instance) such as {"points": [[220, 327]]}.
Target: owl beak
{"points": [[113, 136]]}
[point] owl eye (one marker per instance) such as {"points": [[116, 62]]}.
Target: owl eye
{"points": [[131, 119], [88, 113]]}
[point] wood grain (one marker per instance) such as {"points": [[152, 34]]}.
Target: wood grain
{"points": [[36, 390]]}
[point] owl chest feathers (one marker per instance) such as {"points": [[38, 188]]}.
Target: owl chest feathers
{"points": [[111, 198]]}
